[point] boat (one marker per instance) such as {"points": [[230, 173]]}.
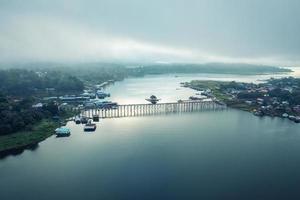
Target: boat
{"points": [[84, 120], [194, 98], [258, 113], [101, 95], [62, 132], [153, 99], [77, 120], [90, 126], [96, 118], [106, 105], [297, 120], [292, 117]]}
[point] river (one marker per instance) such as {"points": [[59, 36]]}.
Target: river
{"points": [[227, 154]]}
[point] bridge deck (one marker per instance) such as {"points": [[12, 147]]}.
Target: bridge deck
{"points": [[152, 109]]}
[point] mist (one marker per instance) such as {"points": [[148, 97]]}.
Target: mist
{"points": [[231, 31]]}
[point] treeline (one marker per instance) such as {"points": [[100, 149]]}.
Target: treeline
{"points": [[19, 115], [97, 72], [21, 82]]}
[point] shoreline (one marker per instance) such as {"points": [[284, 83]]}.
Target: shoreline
{"points": [[16, 143]]}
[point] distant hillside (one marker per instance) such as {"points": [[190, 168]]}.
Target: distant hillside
{"points": [[117, 71], [214, 68]]}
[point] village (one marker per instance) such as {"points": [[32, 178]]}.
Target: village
{"points": [[275, 97]]}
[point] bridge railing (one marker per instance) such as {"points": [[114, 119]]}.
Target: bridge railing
{"points": [[130, 110]]}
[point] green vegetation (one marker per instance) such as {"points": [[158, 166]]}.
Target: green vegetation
{"points": [[20, 89], [21, 83], [218, 90], [17, 115], [22, 139], [214, 86]]}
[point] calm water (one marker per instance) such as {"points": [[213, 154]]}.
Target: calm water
{"points": [[208, 155]]}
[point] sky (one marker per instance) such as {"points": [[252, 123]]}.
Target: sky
{"points": [[196, 31]]}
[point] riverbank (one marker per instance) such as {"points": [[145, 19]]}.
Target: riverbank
{"points": [[24, 139], [17, 142]]}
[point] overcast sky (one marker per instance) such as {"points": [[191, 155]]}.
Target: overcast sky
{"points": [[251, 31]]}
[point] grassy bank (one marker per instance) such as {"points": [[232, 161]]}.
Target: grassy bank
{"points": [[214, 86], [22, 139]]}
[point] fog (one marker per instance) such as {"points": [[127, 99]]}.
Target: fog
{"points": [[248, 31]]}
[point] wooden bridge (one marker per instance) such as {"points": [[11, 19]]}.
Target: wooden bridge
{"points": [[152, 109]]}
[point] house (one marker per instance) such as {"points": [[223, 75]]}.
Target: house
{"points": [[260, 101], [289, 89], [297, 108], [49, 98], [37, 106], [248, 102], [64, 106], [285, 115], [285, 103], [50, 89]]}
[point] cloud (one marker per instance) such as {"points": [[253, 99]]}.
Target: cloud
{"points": [[44, 39], [137, 31]]}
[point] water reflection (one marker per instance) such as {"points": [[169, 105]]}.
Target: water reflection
{"points": [[18, 151]]}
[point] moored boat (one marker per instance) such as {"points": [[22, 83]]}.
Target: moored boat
{"points": [[96, 118], [297, 120], [90, 126], [84, 120], [195, 98], [62, 132], [77, 120]]}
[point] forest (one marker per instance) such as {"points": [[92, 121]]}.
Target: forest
{"points": [[21, 82], [17, 115], [21, 88]]}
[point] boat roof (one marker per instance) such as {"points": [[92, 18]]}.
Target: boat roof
{"points": [[63, 130]]}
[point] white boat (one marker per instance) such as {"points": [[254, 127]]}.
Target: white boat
{"points": [[77, 120]]}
